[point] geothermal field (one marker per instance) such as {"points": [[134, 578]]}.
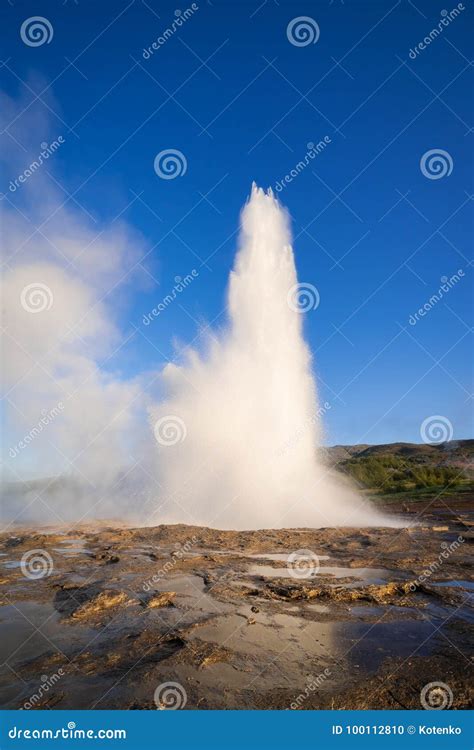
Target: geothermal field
{"points": [[190, 617], [239, 564]]}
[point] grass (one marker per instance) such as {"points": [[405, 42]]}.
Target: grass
{"points": [[389, 474]]}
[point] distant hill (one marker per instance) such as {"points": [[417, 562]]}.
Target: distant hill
{"points": [[455, 452], [406, 467]]}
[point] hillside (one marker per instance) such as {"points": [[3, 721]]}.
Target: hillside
{"points": [[406, 467]]}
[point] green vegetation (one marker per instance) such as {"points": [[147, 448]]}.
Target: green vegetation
{"points": [[389, 473]]}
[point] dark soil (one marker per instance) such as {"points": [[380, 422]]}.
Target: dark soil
{"points": [[224, 614]]}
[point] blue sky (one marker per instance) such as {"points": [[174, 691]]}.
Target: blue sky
{"points": [[241, 102]]}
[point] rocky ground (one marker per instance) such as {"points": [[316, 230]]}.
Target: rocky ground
{"points": [[363, 618]]}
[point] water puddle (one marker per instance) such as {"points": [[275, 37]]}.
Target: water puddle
{"points": [[29, 629], [369, 644], [72, 547], [296, 644], [191, 594], [365, 575], [279, 556], [468, 585], [294, 638]]}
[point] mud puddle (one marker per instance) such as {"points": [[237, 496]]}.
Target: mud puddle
{"points": [[121, 612], [364, 575]]}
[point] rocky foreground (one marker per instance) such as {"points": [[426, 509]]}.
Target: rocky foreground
{"points": [[300, 618]]}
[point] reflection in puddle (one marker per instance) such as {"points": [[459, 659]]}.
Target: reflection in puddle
{"points": [[279, 556], [299, 643], [72, 547], [365, 575], [469, 585], [373, 643], [29, 629]]}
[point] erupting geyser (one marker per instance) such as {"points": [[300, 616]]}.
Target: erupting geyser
{"points": [[239, 432]]}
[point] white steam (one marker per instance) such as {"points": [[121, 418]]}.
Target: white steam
{"points": [[66, 409], [246, 455], [235, 441]]}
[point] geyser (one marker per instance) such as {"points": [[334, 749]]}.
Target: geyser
{"points": [[239, 432]]}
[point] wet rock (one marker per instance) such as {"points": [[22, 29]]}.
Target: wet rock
{"points": [[106, 600], [14, 541], [111, 559], [164, 599], [387, 593], [82, 602]]}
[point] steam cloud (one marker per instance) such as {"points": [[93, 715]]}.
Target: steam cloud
{"points": [[245, 398], [66, 411], [233, 444]]}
